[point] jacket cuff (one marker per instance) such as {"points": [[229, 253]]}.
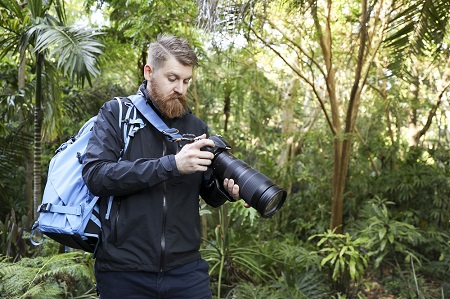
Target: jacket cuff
{"points": [[170, 165]]}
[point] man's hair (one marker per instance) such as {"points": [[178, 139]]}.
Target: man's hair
{"points": [[166, 46]]}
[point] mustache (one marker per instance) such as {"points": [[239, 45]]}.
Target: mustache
{"points": [[175, 96]]}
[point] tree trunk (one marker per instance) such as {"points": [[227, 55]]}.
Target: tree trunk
{"points": [[325, 41], [37, 190], [226, 104], [28, 192], [342, 141], [287, 125]]}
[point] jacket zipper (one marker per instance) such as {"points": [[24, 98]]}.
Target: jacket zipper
{"points": [[163, 232], [117, 221]]}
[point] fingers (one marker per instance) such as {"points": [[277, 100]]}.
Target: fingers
{"points": [[201, 142], [231, 188], [192, 159]]}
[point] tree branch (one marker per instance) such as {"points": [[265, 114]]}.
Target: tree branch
{"points": [[302, 76], [432, 113]]}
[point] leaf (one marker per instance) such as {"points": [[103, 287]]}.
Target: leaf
{"points": [[343, 251], [383, 244], [391, 238], [327, 259], [352, 268]]}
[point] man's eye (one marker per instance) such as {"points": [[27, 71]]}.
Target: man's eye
{"points": [[172, 79], [187, 81]]}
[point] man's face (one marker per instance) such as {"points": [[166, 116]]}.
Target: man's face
{"points": [[168, 86]]}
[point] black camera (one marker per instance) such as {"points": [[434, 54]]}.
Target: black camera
{"points": [[254, 187]]}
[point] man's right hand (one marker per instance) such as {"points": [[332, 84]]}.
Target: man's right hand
{"points": [[192, 159]]}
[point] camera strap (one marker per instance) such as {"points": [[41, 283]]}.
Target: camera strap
{"points": [[147, 111]]}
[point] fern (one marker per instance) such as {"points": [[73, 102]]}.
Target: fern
{"points": [[59, 276], [249, 291], [297, 256], [300, 285], [43, 291], [15, 278]]}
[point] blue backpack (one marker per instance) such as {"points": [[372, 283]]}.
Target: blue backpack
{"points": [[69, 212]]}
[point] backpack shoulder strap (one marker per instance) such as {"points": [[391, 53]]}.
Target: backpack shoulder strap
{"points": [[150, 114], [129, 123]]}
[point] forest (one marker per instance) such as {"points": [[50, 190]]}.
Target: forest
{"points": [[344, 104]]}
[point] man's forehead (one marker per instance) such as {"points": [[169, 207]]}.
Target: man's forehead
{"points": [[173, 68]]}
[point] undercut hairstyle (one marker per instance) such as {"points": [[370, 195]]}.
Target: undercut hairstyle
{"points": [[167, 46]]}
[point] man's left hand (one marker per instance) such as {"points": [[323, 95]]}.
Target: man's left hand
{"points": [[233, 190]]}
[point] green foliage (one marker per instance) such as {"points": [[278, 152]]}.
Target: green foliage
{"points": [[295, 269], [59, 276], [410, 283], [386, 236], [250, 291], [308, 205], [299, 285], [301, 271], [395, 247], [12, 240], [419, 28], [344, 256], [295, 255], [75, 49], [437, 263], [14, 141], [233, 260]]}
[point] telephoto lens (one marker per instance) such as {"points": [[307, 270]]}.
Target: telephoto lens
{"points": [[255, 188]]}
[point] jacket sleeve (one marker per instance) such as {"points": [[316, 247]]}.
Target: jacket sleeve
{"points": [[102, 171]]}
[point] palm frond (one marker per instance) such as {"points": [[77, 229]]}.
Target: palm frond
{"points": [[420, 28], [75, 49]]}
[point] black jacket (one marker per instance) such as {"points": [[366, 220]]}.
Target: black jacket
{"points": [[153, 223]]}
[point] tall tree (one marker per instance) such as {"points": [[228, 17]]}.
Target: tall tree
{"points": [[56, 49]]}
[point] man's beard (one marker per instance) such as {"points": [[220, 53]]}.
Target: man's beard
{"points": [[172, 106]]}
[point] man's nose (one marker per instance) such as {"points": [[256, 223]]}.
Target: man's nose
{"points": [[180, 88]]}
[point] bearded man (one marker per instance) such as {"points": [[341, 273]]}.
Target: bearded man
{"points": [[151, 226]]}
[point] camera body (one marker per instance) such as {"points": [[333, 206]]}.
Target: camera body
{"points": [[255, 188], [220, 145]]}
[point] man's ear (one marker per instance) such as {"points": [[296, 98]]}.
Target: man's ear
{"points": [[148, 71]]}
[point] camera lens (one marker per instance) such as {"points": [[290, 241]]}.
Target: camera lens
{"points": [[255, 188], [272, 200]]}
